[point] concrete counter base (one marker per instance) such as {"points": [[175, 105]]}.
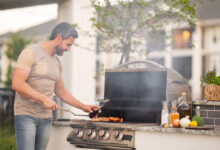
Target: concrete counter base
{"points": [[148, 137], [58, 139], [175, 141]]}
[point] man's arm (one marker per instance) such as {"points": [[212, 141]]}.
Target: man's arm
{"points": [[19, 84], [67, 97]]}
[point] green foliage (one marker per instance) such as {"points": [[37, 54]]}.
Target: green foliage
{"points": [[123, 25], [7, 138], [217, 80], [17, 43], [7, 131], [14, 47], [210, 78], [8, 82]]}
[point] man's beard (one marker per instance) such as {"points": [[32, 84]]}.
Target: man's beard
{"points": [[59, 51]]}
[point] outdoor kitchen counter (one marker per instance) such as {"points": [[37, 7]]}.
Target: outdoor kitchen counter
{"points": [[153, 128], [146, 135], [215, 132]]}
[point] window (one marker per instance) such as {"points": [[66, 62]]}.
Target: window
{"points": [[182, 38]]}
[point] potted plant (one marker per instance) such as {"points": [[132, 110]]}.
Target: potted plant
{"points": [[212, 86]]}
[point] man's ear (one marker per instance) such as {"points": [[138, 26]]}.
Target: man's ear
{"points": [[59, 38]]}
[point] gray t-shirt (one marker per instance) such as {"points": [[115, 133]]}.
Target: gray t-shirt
{"points": [[45, 71]]}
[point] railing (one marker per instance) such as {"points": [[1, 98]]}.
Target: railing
{"points": [[6, 105]]}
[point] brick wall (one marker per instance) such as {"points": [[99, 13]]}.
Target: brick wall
{"points": [[210, 114]]}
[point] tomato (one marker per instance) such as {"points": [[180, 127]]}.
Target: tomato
{"points": [[176, 123]]}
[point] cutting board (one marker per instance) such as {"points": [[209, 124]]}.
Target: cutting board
{"points": [[201, 128]]}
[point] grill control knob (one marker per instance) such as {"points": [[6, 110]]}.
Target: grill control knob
{"points": [[91, 134], [75, 131], [88, 132], [71, 135], [116, 133], [118, 136], [80, 134], [104, 134]]}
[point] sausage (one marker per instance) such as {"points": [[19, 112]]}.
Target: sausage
{"points": [[101, 119], [108, 119]]}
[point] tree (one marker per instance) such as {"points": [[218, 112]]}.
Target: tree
{"points": [[123, 25], [14, 47]]}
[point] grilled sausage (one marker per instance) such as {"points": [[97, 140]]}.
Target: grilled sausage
{"points": [[105, 119], [108, 119]]}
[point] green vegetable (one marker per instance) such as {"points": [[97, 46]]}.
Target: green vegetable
{"points": [[217, 80], [210, 78], [199, 120]]}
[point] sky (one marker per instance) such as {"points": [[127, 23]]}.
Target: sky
{"points": [[12, 20]]}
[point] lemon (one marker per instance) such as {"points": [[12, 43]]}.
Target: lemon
{"points": [[199, 120], [193, 124]]}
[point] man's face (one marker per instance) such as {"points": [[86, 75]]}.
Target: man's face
{"points": [[64, 45]]}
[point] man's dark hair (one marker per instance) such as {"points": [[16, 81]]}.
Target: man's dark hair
{"points": [[65, 30]]}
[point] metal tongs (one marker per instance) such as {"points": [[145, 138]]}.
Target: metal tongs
{"points": [[91, 115]]}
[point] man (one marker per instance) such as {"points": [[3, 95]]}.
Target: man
{"points": [[37, 76]]}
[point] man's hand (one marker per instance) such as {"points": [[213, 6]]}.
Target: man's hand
{"points": [[89, 108], [50, 104]]}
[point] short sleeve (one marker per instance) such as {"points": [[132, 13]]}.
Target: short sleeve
{"points": [[25, 60], [60, 64]]}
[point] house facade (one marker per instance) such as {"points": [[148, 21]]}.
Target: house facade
{"points": [[194, 51]]}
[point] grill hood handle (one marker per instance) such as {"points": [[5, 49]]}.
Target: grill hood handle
{"points": [[152, 63]]}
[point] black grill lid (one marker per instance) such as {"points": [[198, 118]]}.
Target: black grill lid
{"points": [[137, 85]]}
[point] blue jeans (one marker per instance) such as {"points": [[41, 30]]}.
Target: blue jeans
{"points": [[32, 133]]}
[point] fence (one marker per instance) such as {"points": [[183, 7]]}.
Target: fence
{"points": [[6, 105]]}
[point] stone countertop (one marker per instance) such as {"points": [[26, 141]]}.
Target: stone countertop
{"points": [[152, 128], [215, 132], [61, 123]]}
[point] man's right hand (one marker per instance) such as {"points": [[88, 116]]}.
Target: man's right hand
{"points": [[50, 104]]}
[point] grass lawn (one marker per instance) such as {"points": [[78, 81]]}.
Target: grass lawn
{"points": [[7, 132], [7, 138]]}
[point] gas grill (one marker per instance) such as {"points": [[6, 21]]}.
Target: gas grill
{"points": [[133, 91], [134, 95], [100, 135]]}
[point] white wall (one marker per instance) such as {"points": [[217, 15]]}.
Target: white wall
{"points": [[4, 61], [58, 140], [175, 141], [79, 64]]}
